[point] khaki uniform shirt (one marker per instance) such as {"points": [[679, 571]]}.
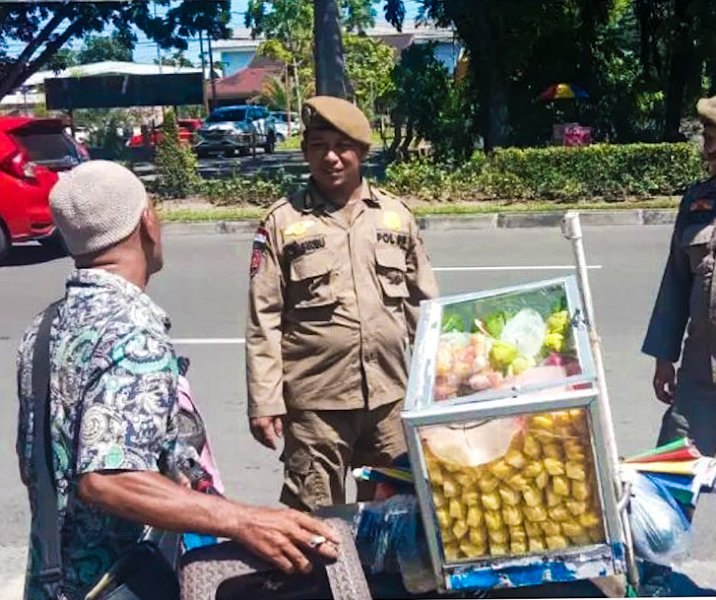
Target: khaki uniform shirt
{"points": [[333, 302], [687, 294]]}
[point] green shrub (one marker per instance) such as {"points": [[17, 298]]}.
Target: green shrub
{"points": [[263, 189], [607, 172], [177, 167]]}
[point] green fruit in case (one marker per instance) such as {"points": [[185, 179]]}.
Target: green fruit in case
{"points": [[557, 322], [502, 354], [554, 342]]}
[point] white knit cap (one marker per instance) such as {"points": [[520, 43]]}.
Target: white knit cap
{"points": [[96, 205]]}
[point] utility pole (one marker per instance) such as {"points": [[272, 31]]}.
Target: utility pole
{"points": [[211, 73], [203, 72]]}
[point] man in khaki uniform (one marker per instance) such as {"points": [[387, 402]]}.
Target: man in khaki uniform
{"points": [[687, 296], [337, 275]]}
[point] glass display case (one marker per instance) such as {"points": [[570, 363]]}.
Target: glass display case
{"points": [[507, 441]]}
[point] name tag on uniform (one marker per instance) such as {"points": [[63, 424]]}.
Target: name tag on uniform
{"points": [[296, 249]]}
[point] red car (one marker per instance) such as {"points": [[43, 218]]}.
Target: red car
{"points": [[187, 128], [32, 151]]}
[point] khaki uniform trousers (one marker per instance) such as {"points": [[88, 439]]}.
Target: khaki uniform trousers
{"points": [[320, 446]]}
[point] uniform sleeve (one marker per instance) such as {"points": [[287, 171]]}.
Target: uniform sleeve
{"points": [[420, 279], [129, 406], [264, 363], [671, 310]]}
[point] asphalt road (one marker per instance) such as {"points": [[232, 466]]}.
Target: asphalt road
{"points": [[204, 287]]}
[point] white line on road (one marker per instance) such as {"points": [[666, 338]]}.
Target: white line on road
{"points": [[516, 268], [206, 341]]}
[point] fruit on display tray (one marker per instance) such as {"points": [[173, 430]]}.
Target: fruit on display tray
{"points": [[503, 349], [512, 486]]}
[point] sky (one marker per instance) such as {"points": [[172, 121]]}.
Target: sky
{"points": [[146, 50]]}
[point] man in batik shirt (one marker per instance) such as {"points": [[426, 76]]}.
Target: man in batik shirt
{"points": [[113, 401]]}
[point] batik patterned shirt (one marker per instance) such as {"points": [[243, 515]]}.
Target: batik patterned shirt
{"points": [[113, 407]]}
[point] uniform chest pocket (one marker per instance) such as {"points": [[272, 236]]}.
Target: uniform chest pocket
{"points": [[392, 270], [695, 242], [310, 277]]}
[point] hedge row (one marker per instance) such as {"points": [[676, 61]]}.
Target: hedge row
{"points": [[602, 171]]}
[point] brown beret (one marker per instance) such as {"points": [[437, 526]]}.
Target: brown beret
{"points": [[706, 107], [338, 114]]}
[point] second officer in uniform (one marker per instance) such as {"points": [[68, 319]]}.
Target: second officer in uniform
{"points": [[687, 296], [337, 275]]}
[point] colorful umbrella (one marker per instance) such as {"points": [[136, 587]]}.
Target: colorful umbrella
{"points": [[559, 91]]}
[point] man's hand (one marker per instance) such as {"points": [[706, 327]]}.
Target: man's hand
{"points": [[281, 536], [266, 430], [664, 381]]}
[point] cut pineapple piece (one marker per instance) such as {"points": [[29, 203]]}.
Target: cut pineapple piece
{"points": [[533, 468], [532, 496], [499, 536], [471, 550], [580, 490], [456, 509], [501, 469], [442, 517], [451, 467], [542, 421], [493, 519], [552, 450], [478, 536], [474, 516], [438, 500], [471, 497], [562, 417], [533, 529], [509, 496], [560, 485], [517, 482], [556, 542], [491, 501], [435, 473], [542, 480], [452, 552], [545, 436], [465, 478], [589, 519], [575, 470], [512, 515], [552, 498], [518, 547], [558, 513], [447, 535], [576, 507], [572, 529], [554, 466], [459, 528], [565, 431], [536, 544], [497, 549], [532, 447], [517, 533], [487, 483], [451, 489], [515, 459], [535, 514], [551, 528]]}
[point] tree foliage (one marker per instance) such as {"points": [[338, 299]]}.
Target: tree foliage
{"points": [[45, 27]]}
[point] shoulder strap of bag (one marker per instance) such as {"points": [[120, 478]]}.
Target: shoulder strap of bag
{"points": [[46, 517]]}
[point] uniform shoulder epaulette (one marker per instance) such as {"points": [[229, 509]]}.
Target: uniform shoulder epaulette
{"points": [[276, 206], [390, 196]]}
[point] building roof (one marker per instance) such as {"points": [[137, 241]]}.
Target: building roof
{"points": [[109, 67], [246, 82]]}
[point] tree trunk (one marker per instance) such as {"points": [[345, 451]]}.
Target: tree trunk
{"points": [[328, 49], [682, 55]]}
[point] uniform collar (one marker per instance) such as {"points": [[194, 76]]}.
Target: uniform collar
{"points": [[313, 199]]}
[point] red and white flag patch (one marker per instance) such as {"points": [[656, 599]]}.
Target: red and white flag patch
{"points": [[257, 250]]}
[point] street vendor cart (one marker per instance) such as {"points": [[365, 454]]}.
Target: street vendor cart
{"points": [[513, 477]]}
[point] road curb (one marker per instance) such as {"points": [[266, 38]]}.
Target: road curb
{"points": [[589, 218]]}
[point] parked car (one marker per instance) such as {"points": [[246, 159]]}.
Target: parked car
{"points": [[281, 121], [234, 129], [187, 131], [32, 152]]}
